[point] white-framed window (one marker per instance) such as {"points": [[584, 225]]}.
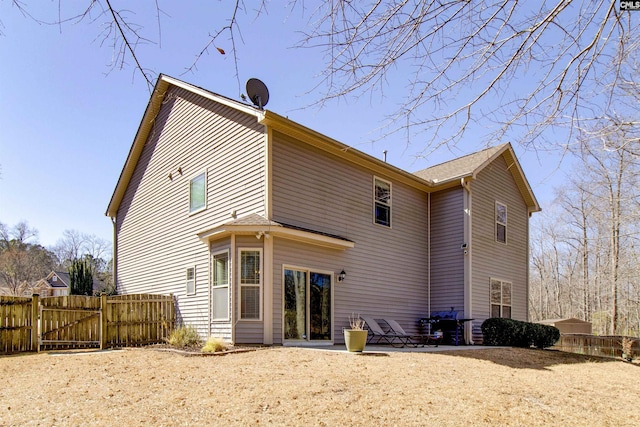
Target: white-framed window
{"points": [[191, 280], [500, 298], [501, 222], [198, 193], [381, 202], [220, 286], [250, 284]]}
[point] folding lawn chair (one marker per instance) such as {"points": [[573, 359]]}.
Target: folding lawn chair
{"points": [[376, 332], [415, 340]]}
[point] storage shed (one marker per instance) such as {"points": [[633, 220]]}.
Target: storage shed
{"points": [[569, 326]]}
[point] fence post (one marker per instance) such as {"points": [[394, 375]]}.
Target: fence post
{"points": [[35, 331], [103, 321]]}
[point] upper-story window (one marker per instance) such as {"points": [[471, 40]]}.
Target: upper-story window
{"points": [[501, 222], [198, 193], [382, 202]]}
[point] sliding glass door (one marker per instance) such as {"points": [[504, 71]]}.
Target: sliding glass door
{"points": [[307, 305]]}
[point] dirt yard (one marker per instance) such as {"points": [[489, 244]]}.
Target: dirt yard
{"points": [[293, 386]]}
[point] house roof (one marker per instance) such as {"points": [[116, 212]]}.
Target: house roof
{"points": [[461, 166], [260, 226], [468, 167], [428, 180]]}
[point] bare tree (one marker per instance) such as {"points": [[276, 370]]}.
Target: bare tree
{"points": [[520, 66], [69, 247], [97, 248], [591, 253], [76, 245], [615, 172], [22, 260]]}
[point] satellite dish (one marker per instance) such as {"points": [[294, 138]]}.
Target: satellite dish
{"points": [[258, 92]]}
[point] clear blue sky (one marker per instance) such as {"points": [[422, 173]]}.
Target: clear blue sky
{"points": [[67, 123]]}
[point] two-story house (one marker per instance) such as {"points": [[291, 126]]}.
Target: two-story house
{"points": [[268, 232]]}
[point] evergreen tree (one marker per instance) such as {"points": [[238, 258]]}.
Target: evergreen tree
{"points": [[81, 277]]}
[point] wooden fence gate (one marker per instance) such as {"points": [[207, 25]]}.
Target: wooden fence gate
{"points": [[70, 322], [74, 321]]}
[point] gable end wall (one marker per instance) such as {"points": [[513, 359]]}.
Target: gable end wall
{"points": [[157, 239], [492, 259]]}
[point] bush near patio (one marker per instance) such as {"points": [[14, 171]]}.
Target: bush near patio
{"points": [[515, 333], [184, 336]]}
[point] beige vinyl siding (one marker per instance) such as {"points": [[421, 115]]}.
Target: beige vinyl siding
{"points": [[314, 258], [492, 259], [156, 235], [447, 256], [387, 269]]}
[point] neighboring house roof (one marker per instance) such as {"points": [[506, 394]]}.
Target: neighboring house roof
{"points": [[260, 226], [63, 280], [565, 320], [428, 180]]}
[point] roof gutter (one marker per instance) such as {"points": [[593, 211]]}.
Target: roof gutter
{"points": [[332, 146], [467, 248]]}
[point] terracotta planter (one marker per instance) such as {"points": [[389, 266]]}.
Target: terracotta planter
{"points": [[355, 339]]}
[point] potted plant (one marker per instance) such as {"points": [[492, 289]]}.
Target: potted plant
{"points": [[355, 338]]}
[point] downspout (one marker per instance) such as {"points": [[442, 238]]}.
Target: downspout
{"points": [[235, 266], [267, 246], [429, 255], [526, 310], [114, 254], [468, 260]]}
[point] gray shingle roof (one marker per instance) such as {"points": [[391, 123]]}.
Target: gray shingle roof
{"points": [[259, 220], [253, 219], [460, 167], [62, 282]]}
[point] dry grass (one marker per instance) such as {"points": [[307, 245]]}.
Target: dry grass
{"points": [[289, 386]]}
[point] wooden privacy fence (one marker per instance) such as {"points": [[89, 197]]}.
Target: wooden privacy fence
{"points": [[16, 317], [34, 324], [593, 345]]}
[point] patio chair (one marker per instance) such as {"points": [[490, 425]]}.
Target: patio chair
{"points": [[416, 339], [376, 332]]}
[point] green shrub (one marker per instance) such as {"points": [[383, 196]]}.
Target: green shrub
{"points": [[509, 332], [545, 335], [184, 336], [498, 331], [214, 345]]}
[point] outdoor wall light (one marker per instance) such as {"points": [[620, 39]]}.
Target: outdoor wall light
{"points": [[341, 276]]}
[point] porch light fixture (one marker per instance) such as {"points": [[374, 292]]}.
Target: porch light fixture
{"points": [[341, 276]]}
